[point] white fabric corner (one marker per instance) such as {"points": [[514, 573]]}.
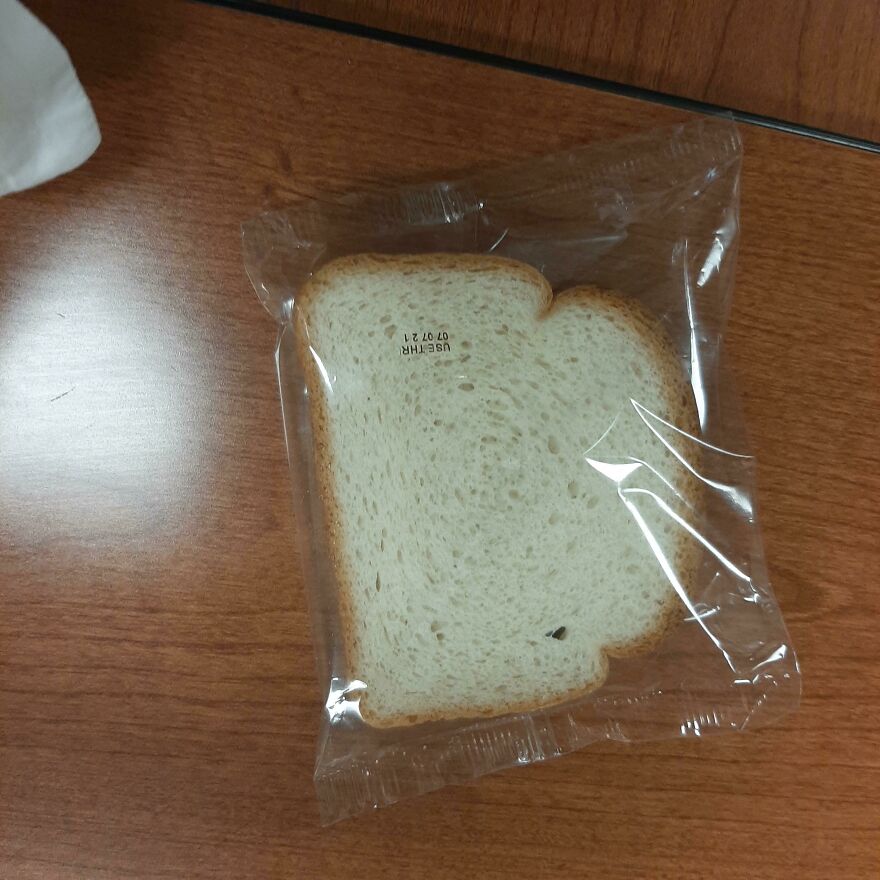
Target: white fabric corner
{"points": [[47, 125]]}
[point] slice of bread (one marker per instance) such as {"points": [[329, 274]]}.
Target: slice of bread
{"points": [[501, 480]]}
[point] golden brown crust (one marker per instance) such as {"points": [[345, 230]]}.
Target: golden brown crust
{"points": [[319, 417], [683, 415], [378, 262]]}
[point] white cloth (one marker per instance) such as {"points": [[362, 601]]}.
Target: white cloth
{"points": [[47, 125]]}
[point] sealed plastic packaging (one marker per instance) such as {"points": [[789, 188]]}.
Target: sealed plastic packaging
{"points": [[524, 496]]}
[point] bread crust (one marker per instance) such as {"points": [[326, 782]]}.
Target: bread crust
{"points": [[682, 413]]}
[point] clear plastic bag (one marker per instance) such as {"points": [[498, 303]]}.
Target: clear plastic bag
{"points": [[653, 218]]}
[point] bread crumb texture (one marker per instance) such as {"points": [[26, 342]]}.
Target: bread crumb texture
{"points": [[490, 480]]}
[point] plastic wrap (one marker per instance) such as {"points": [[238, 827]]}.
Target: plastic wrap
{"points": [[682, 637]]}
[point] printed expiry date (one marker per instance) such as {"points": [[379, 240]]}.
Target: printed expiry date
{"points": [[425, 342]]}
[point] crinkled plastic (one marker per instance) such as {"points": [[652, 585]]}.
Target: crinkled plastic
{"points": [[655, 218]]}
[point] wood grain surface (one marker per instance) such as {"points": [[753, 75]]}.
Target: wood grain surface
{"points": [[813, 63], [158, 701]]}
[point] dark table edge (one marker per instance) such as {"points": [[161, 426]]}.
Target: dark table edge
{"points": [[543, 71]]}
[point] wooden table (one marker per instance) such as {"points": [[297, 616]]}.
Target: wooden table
{"points": [[158, 705], [817, 64]]}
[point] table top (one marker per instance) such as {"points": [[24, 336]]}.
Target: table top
{"points": [[774, 59], [158, 701]]}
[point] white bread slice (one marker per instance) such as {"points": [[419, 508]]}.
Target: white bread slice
{"points": [[489, 492]]}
